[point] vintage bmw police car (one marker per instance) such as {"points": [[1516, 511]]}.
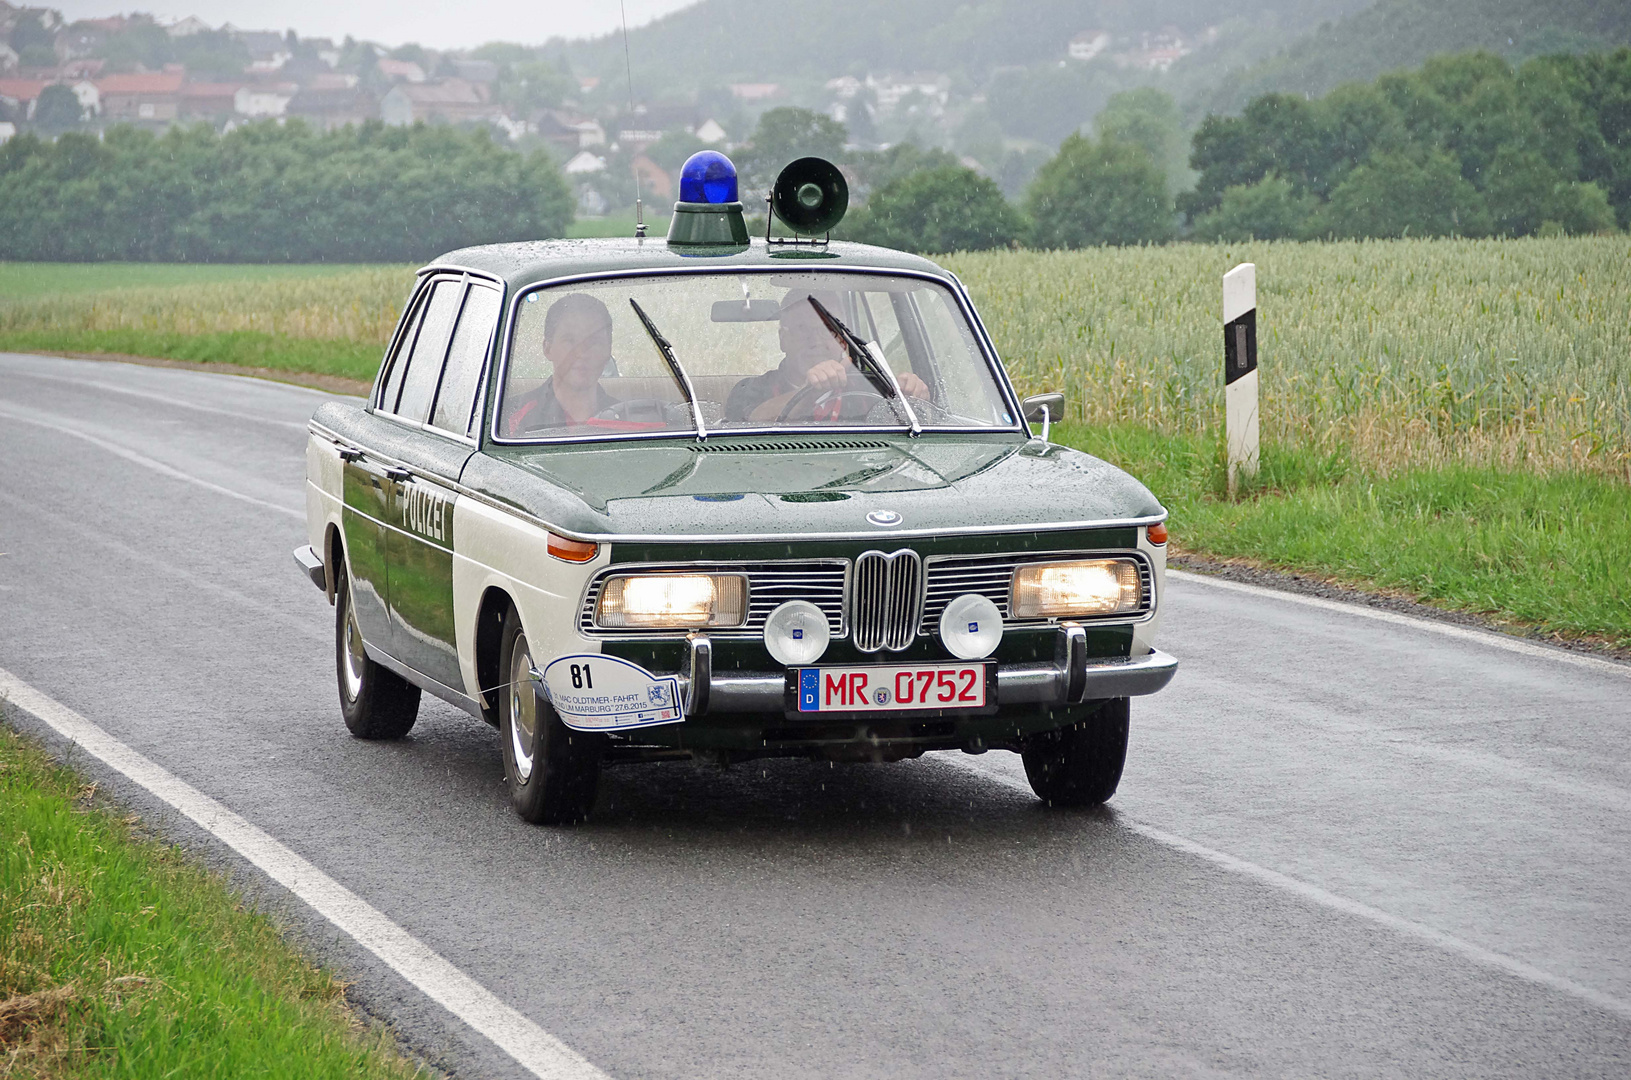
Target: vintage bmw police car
{"points": [[632, 500]]}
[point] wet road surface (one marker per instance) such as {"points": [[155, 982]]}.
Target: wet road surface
{"points": [[1342, 847]]}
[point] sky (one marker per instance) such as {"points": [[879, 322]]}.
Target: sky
{"points": [[395, 22]]}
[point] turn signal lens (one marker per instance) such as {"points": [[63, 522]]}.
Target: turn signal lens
{"points": [[1089, 587], [672, 601], [1158, 533], [572, 550]]}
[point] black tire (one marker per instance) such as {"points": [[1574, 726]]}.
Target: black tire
{"points": [[552, 771], [377, 703], [1080, 765]]}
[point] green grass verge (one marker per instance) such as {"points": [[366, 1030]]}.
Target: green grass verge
{"points": [[1549, 550], [24, 280], [120, 957], [244, 348]]}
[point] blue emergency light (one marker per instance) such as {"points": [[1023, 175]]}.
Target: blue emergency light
{"points": [[708, 177]]}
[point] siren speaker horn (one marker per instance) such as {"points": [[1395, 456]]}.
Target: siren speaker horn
{"points": [[810, 196]]}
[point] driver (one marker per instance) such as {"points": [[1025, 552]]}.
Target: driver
{"points": [[578, 346], [811, 356]]}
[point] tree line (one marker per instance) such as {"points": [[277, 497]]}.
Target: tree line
{"points": [[267, 192], [1466, 146]]}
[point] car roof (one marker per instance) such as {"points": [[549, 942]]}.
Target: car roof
{"points": [[532, 262]]}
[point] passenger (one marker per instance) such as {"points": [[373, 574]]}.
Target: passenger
{"points": [[811, 356], [578, 346]]}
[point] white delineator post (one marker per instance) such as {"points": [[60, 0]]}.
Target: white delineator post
{"points": [[1240, 371]]}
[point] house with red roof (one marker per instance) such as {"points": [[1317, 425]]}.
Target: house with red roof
{"points": [[152, 96]]}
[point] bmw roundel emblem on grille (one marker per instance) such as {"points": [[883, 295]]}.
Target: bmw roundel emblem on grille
{"points": [[884, 517]]}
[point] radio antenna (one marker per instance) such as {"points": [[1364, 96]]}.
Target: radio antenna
{"points": [[628, 67]]}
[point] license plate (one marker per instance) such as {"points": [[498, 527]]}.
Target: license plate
{"points": [[893, 688]]}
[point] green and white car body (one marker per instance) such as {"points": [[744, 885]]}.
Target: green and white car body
{"points": [[443, 519]]}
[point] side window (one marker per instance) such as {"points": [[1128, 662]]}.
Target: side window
{"points": [[398, 363], [425, 364], [472, 340]]}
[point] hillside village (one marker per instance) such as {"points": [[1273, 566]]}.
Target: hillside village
{"points": [[134, 69]]}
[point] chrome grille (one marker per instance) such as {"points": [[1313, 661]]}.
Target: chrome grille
{"points": [[769, 586], [992, 576], [888, 600]]}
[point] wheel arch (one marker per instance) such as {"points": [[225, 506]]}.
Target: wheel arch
{"points": [[495, 604]]}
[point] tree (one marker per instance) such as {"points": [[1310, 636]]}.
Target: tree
{"points": [[1148, 117], [949, 208], [1395, 194], [1267, 210], [57, 109], [783, 135], [1104, 192]]}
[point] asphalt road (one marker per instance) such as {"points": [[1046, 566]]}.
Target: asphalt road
{"points": [[1343, 846]]}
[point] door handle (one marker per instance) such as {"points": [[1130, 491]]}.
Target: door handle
{"points": [[399, 474], [350, 453]]}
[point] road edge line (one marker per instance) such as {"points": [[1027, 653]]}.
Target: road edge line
{"points": [[1465, 633], [1336, 902], [529, 1045]]}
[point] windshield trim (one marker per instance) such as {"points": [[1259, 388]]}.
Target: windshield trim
{"points": [[982, 341]]}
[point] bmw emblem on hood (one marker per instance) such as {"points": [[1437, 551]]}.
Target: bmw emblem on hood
{"points": [[884, 517]]}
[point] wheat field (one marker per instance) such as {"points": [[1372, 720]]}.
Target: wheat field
{"points": [[1514, 353], [1406, 352]]}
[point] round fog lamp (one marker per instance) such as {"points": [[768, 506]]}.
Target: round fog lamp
{"points": [[971, 627], [797, 633]]}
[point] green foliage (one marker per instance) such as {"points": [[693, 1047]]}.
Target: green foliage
{"points": [[1148, 117], [57, 109], [1395, 194], [1267, 210], [784, 135], [949, 208], [1099, 192], [876, 169], [272, 193], [1466, 145]]}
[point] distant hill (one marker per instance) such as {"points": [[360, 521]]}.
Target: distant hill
{"points": [[1396, 34], [718, 42]]}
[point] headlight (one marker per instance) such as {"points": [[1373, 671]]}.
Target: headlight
{"points": [[671, 601], [1089, 587]]}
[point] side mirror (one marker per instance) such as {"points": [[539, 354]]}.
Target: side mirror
{"points": [[1043, 409]]}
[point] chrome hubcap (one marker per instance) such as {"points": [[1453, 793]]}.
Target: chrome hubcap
{"points": [[355, 657], [523, 708]]}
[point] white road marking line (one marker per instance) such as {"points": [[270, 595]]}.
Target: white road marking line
{"points": [[1314, 894], [166, 399], [530, 1045], [146, 462], [1482, 637]]}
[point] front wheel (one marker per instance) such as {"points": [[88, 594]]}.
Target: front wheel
{"points": [[1080, 765], [377, 703], [552, 771]]}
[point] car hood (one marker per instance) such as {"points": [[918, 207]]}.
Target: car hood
{"points": [[769, 487]]}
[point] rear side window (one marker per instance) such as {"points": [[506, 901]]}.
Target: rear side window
{"points": [[429, 349], [472, 340], [399, 359]]}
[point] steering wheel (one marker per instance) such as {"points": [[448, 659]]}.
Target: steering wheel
{"points": [[852, 401]]}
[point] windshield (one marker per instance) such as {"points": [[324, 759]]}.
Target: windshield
{"points": [[715, 352]]}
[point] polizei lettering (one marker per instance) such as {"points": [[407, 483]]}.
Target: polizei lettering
{"points": [[423, 512]]}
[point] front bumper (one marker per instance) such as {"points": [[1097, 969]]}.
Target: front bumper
{"points": [[1072, 678]]}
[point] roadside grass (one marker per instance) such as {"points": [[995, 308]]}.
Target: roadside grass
{"points": [[241, 348], [121, 957], [1550, 551], [585, 228]]}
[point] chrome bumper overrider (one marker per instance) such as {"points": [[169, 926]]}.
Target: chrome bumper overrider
{"points": [[309, 561], [1073, 677]]}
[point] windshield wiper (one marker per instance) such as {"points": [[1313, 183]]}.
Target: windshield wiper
{"points": [[674, 365], [870, 360]]}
